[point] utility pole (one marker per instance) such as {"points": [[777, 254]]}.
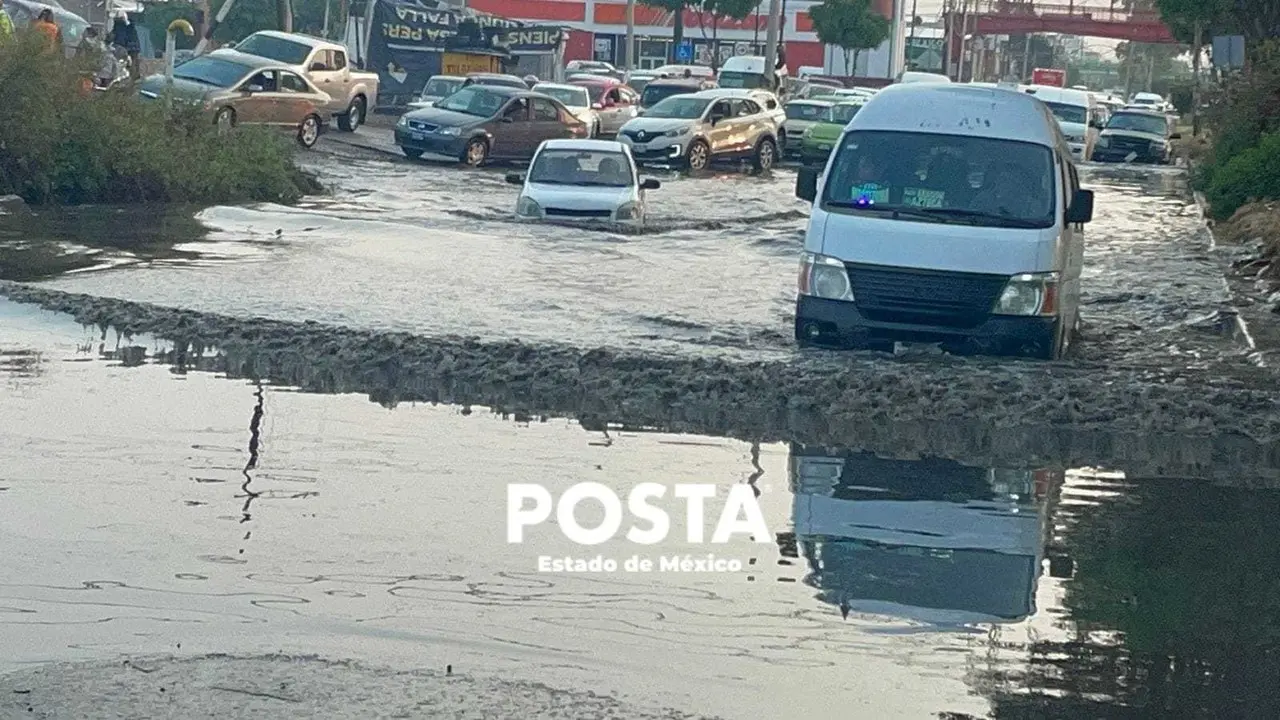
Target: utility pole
{"points": [[1151, 67], [771, 41], [1128, 70], [1026, 59], [629, 58], [1195, 78], [911, 40]]}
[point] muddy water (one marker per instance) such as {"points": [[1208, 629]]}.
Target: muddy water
{"points": [[157, 513], [432, 249]]}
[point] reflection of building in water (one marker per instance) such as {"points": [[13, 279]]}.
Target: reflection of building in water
{"points": [[928, 540]]}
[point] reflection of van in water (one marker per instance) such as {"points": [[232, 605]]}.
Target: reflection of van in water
{"points": [[929, 540], [962, 227]]}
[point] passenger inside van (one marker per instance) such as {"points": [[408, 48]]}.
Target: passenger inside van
{"points": [[1007, 190]]}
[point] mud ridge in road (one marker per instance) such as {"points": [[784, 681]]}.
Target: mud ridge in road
{"points": [[651, 227], [985, 413], [282, 686]]}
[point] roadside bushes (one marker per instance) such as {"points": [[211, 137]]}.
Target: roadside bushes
{"points": [[60, 144], [1252, 174], [1243, 122]]}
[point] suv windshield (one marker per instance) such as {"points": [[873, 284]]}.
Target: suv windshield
{"points": [[655, 93], [474, 100], [441, 87], [1068, 113], [942, 178], [211, 71], [278, 49], [591, 168], [804, 111], [1140, 123], [571, 97], [686, 108]]}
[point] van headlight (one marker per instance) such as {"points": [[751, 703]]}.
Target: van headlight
{"points": [[628, 211], [1029, 294], [824, 277], [528, 207]]}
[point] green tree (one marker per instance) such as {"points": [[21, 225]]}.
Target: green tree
{"points": [[718, 10], [676, 8], [851, 25]]}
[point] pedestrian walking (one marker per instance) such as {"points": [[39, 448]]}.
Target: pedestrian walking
{"points": [[124, 34], [6, 24]]}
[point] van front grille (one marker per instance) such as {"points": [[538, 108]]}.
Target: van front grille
{"points": [[924, 297]]}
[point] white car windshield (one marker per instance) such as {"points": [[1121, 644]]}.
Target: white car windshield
{"points": [[685, 108], [575, 97], [588, 168], [806, 111], [441, 87], [953, 179], [1068, 113]]}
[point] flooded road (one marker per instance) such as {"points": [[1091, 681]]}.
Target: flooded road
{"points": [[220, 533], [432, 249]]}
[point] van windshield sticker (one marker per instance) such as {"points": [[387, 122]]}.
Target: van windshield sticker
{"points": [[870, 193], [922, 197]]}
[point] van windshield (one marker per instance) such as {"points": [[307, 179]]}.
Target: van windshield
{"points": [[752, 81], [942, 178], [1068, 113]]}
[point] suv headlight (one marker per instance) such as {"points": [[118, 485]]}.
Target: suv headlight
{"points": [[528, 207], [824, 277], [628, 211], [1029, 294], [677, 132], [403, 122]]}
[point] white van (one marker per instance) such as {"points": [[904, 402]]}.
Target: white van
{"points": [[747, 71], [1078, 113], [962, 227]]}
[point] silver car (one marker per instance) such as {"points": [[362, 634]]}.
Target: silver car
{"points": [[694, 129], [802, 115]]}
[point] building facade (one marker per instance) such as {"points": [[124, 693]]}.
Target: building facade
{"points": [[598, 32]]}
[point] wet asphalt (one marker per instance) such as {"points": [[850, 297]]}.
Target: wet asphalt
{"points": [[166, 509]]}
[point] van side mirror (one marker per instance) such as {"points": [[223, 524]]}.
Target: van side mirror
{"points": [[650, 184], [807, 184], [515, 178], [1081, 208]]}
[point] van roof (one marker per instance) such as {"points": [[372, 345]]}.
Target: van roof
{"points": [[1065, 96], [956, 109]]}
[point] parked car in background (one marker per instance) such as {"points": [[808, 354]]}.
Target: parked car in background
{"points": [[613, 102], [695, 130], [496, 80], [802, 115], [592, 180], [480, 123], [658, 90], [325, 64], [438, 87], [816, 142], [239, 89], [577, 99], [638, 79], [593, 67], [1136, 136]]}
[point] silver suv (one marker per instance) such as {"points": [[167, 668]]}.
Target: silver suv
{"points": [[694, 129]]}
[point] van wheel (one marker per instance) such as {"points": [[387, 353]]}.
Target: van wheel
{"points": [[766, 155], [476, 152], [698, 156], [354, 116]]}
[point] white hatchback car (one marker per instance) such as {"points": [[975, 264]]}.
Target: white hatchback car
{"points": [[582, 180]]}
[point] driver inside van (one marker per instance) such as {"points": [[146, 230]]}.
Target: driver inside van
{"points": [[868, 185]]}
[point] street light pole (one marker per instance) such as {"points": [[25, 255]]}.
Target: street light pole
{"points": [[771, 41], [630, 55]]}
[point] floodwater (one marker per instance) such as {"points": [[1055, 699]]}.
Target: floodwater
{"points": [[431, 249], [150, 511], [218, 520]]}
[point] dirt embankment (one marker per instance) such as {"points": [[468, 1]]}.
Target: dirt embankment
{"points": [[1255, 230], [982, 412]]}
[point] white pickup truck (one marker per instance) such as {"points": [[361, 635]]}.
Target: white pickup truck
{"points": [[326, 64]]}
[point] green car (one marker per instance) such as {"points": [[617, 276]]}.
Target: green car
{"points": [[817, 141]]}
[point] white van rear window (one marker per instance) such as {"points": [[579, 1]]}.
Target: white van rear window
{"points": [[948, 178]]}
